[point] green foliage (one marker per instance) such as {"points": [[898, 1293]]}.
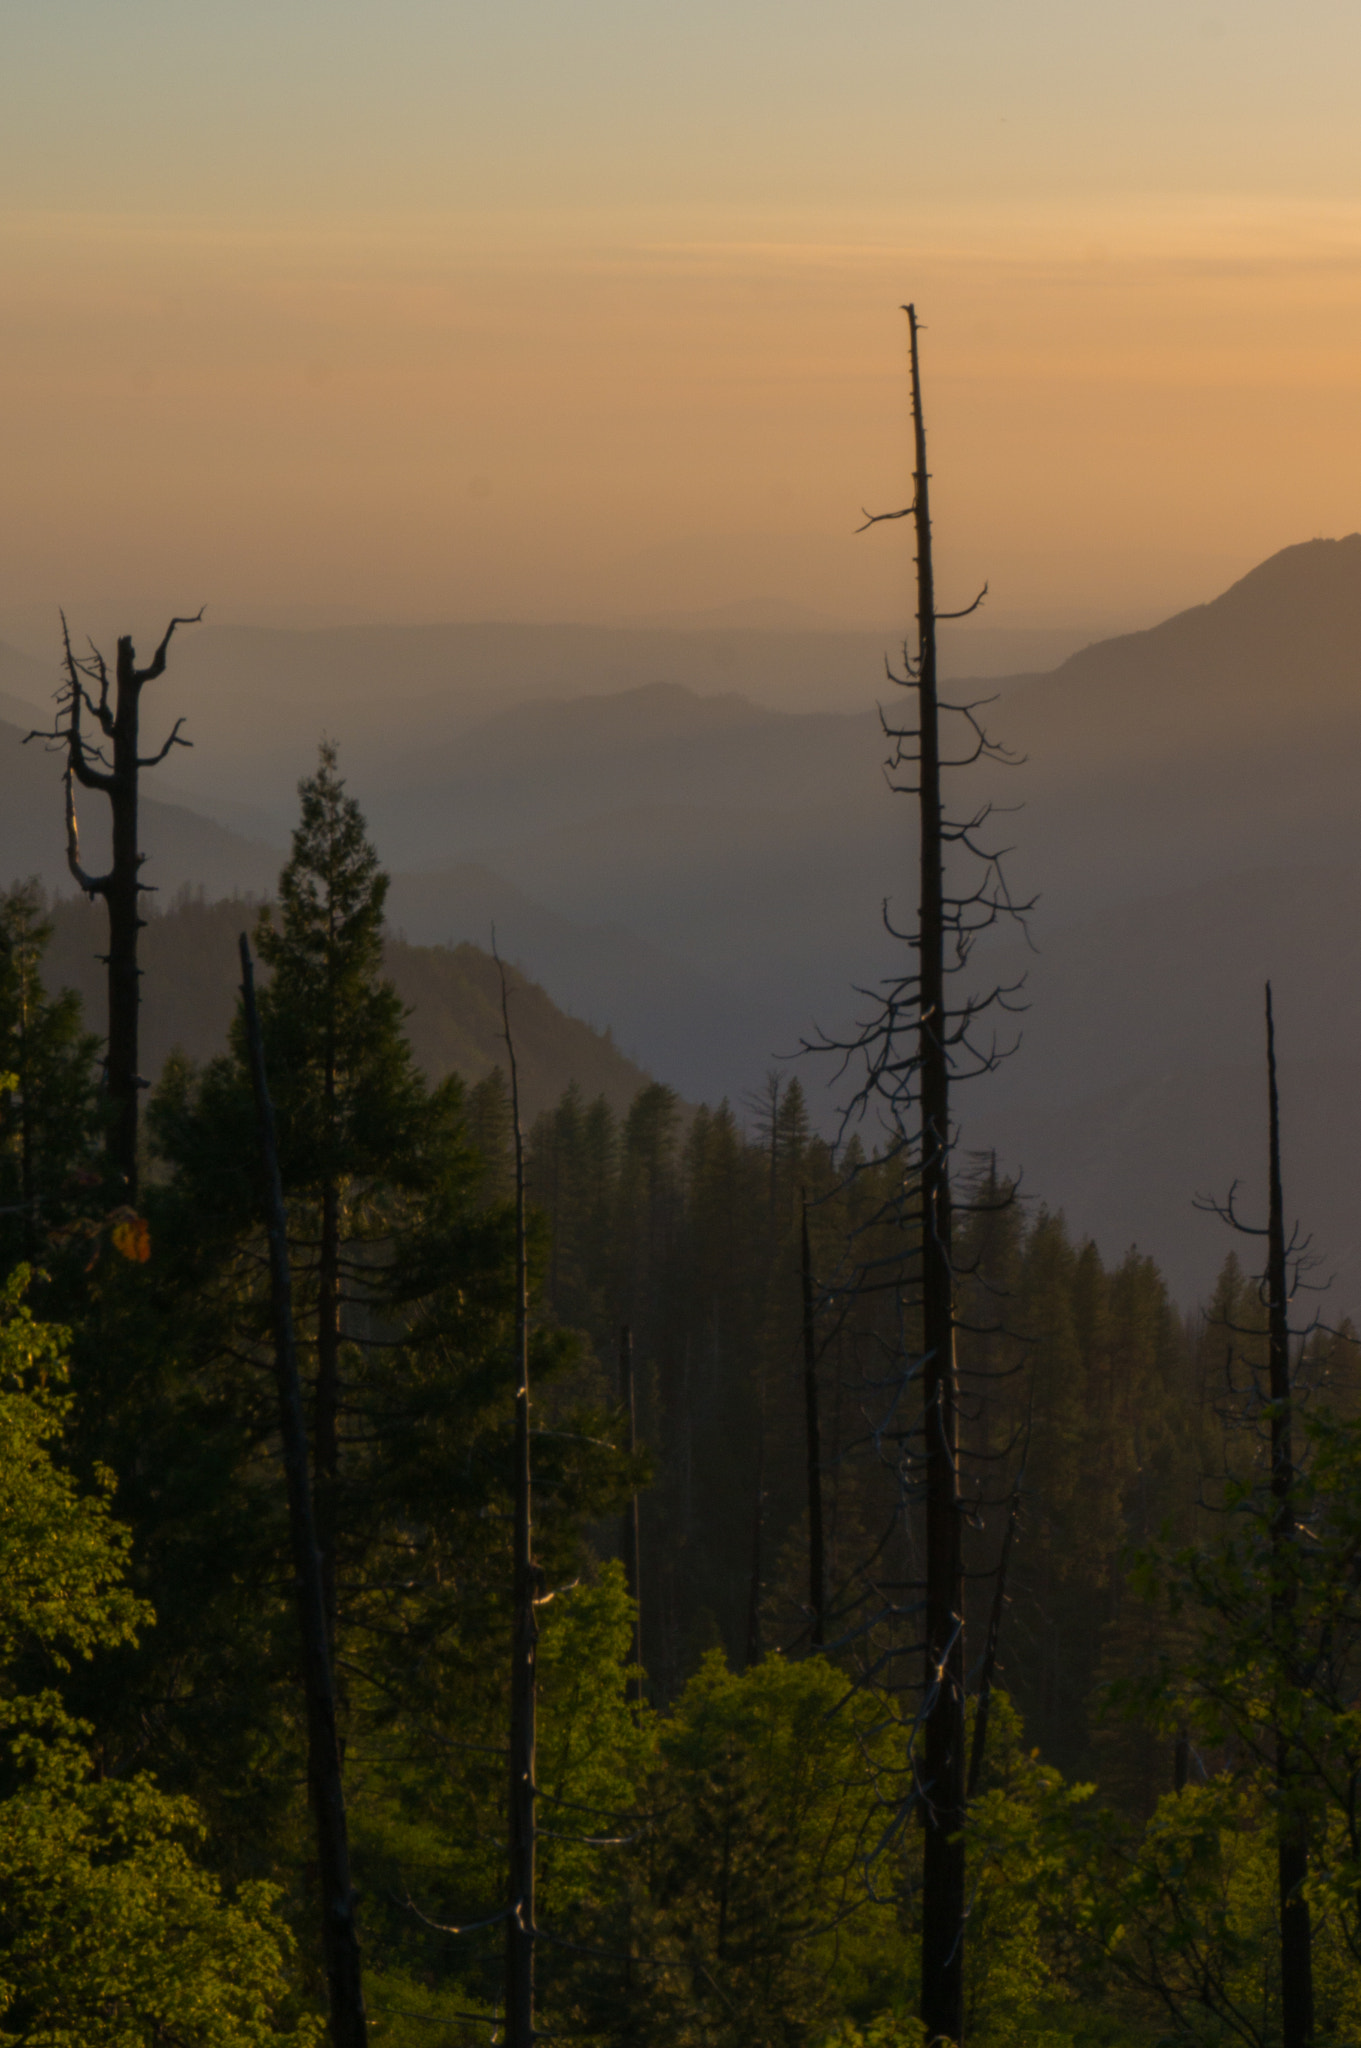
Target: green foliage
{"points": [[1267, 1649], [777, 1867], [110, 1927]]}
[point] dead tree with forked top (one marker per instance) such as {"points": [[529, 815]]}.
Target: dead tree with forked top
{"points": [[109, 760]]}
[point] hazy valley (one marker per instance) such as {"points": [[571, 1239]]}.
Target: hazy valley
{"points": [[678, 856]]}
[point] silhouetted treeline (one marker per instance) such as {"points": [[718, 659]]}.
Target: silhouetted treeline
{"points": [[686, 1226]]}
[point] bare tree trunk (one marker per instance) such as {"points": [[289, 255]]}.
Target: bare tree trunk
{"points": [[986, 1676], [326, 1401], [942, 2006], [758, 1533], [817, 1569], [117, 779], [28, 1189], [340, 1940], [122, 899], [630, 1532], [1297, 1983], [520, 1924]]}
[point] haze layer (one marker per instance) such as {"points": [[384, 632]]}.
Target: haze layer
{"points": [[434, 311]]}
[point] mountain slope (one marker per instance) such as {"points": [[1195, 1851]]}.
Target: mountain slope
{"points": [[191, 973]]}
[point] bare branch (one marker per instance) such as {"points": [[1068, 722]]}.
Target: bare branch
{"points": [[154, 760], [156, 666], [877, 518]]}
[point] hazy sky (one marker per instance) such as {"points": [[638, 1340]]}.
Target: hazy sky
{"points": [[540, 309]]}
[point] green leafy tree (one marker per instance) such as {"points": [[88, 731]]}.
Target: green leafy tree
{"points": [[111, 1929]]}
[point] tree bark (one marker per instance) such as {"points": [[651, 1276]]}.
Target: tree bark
{"points": [[942, 2006], [340, 1940], [1297, 1981]]}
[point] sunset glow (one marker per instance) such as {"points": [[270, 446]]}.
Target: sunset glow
{"points": [[329, 313]]}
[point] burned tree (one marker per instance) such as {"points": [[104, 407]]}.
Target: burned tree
{"points": [[817, 1568], [521, 1931], [630, 1528], [1287, 1256], [915, 1045], [111, 763], [1292, 1852]]}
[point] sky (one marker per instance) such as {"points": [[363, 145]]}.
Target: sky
{"points": [[430, 310]]}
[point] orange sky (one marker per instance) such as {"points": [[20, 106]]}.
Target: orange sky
{"points": [[344, 311]]}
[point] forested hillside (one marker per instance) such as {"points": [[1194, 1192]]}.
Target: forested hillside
{"points": [[497, 1550]]}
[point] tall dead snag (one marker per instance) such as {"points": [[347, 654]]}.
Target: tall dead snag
{"points": [[914, 1046], [340, 1941], [1289, 1661], [817, 1569], [943, 1864], [1297, 1980], [630, 1527], [111, 764], [520, 1923]]}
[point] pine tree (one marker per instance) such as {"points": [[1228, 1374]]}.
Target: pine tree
{"points": [[48, 1109], [350, 1102]]}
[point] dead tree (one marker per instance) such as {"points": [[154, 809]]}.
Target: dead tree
{"points": [[1292, 1856], [1286, 1260], [520, 1921], [630, 1531], [915, 1045], [340, 1940], [817, 1569], [109, 761]]}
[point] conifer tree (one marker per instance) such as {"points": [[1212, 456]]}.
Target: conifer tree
{"points": [[48, 1115], [349, 1100]]}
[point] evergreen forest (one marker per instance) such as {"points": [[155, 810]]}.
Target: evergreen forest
{"points": [[474, 1552]]}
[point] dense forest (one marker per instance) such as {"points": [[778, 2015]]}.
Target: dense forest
{"points": [[727, 1847], [495, 1552]]}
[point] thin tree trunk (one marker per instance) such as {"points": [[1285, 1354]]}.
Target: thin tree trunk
{"points": [[326, 1411], [817, 1568], [758, 1532], [326, 1403], [942, 2006], [123, 900], [1297, 1983], [630, 1532], [986, 1676], [340, 1940], [520, 1924], [28, 1190]]}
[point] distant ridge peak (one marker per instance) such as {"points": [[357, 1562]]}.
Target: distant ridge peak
{"points": [[1303, 561]]}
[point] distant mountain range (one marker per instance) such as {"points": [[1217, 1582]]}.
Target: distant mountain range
{"points": [[671, 840]]}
